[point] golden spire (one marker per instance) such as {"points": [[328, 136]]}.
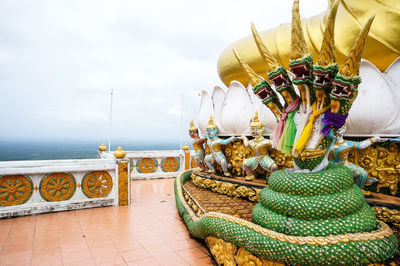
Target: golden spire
{"points": [[351, 67], [299, 46], [192, 126], [211, 123], [270, 62], [327, 56], [253, 77], [256, 122]]}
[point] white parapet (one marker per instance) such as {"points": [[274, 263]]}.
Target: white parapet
{"points": [[32, 187], [156, 164]]}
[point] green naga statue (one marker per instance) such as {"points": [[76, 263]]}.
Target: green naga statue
{"points": [[316, 198]]}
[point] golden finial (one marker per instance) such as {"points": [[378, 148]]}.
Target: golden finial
{"points": [[192, 126], [185, 147], [299, 46], [253, 76], [270, 62], [351, 67], [256, 122], [327, 56], [119, 153], [102, 147], [211, 123]]}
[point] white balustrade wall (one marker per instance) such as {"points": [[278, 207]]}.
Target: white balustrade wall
{"points": [[156, 164], [31, 187]]}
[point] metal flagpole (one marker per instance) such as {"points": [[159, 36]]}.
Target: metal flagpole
{"points": [[109, 132], [181, 131]]}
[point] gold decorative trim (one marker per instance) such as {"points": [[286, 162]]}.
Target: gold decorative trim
{"points": [[382, 163], [226, 253], [123, 184], [193, 203], [57, 186], [97, 184], [15, 189], [310, 154], [226, 188], [381, 233], [388, 216]]}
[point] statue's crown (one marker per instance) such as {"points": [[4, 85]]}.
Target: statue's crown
{"points": [[211, 123], [256, 122], [192, 126]]}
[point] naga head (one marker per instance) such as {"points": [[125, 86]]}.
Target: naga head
{"points": [[303, 70], [323, 85], [256, 127], [193, 131], [277, 74], [280, 78], [343, 94], [212, 128], [301, 62], [326, 68], [261, 87], [346, 82]]}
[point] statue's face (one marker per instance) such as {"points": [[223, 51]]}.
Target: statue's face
{"points": [[212, 132], [340, 132], [193, 134], [257, 131]]}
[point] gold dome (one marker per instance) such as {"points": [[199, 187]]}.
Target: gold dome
{"points": [[383, 39]]}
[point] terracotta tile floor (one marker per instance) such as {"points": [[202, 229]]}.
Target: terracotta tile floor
{"points": [[149, 232]]}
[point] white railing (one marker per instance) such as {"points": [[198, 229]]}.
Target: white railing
{"points": [[156, 164], [31, 187]]}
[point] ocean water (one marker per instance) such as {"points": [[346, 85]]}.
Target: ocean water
{"points": [[53, 150]]}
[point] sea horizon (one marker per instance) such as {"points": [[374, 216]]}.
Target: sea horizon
{"points": [[17, 150]]}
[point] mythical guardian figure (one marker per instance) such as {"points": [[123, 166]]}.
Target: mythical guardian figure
{"points": [[339, 153], [197, 145], [215, 145], [260, 147]]}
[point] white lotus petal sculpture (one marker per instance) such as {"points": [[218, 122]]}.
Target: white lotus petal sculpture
{"points": [[392, 75], [237, 110], [206, 110], [265, 114], [376, 107], [217, 98], [377, 112]]}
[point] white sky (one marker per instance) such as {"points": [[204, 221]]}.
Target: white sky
{"points": [[59, 59]]}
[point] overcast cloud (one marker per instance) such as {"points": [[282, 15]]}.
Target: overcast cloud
{"points": [[59, 60]]}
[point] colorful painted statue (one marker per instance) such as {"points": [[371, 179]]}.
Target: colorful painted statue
{"points": [[215, 145], [260, 147], [197, 146], [339, 153], [318, 199]]}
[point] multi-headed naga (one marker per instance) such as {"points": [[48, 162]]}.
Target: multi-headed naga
{"points": [[308, 121]]}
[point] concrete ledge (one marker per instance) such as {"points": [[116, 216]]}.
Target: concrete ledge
{"points": [[38, 208]]}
